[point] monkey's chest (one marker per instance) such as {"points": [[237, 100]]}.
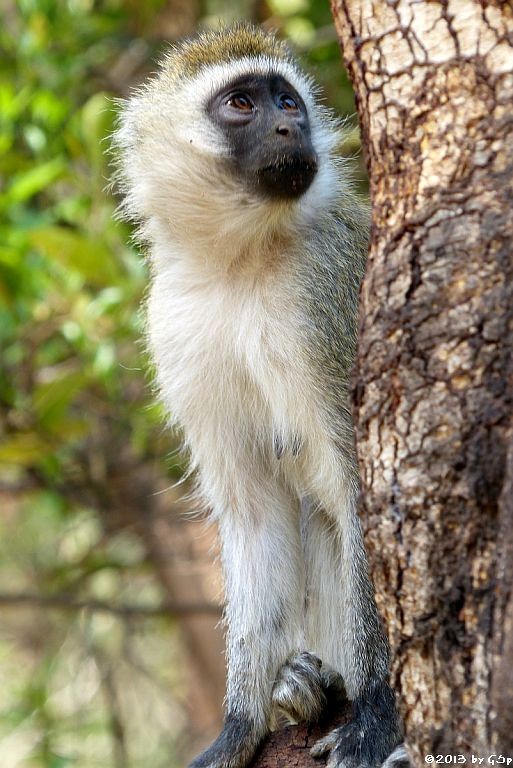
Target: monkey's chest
{"points": [[230, 363]]}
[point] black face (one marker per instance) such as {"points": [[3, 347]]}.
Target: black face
{"points": [[265, 122]]}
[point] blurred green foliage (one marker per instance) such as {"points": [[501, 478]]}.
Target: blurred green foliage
{"points": [[84, 688], [70, 286], [71, 393]]}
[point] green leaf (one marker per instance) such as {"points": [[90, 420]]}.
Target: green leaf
{"points": [[27, 184], [96, 123], [89, 257], [23, 449], [52, 399]]}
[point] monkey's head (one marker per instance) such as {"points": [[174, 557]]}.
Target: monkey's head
{"points": [[228, 135]]}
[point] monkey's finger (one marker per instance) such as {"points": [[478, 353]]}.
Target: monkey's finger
{"points": [[324, 745]]}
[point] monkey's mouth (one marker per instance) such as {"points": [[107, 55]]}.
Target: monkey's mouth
{"points": [[288, 176]]}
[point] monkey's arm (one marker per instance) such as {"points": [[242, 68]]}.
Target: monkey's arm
{"points": [[263, 576]]}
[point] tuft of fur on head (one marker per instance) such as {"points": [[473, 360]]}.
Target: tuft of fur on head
{"points": [[207, 49], [173, 160]]}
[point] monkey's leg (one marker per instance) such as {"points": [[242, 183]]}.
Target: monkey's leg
{"points": [[343, 628], [264, 578]]}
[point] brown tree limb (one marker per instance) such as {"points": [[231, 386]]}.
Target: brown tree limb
{"points": [[289, 747]]}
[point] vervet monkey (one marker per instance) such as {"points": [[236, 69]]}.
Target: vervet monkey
{"points": [[257, 247]]}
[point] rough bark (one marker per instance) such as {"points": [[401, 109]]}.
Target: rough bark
{"points": [[433, 384], [502, 682]]}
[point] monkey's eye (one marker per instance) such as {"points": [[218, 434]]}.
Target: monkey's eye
{"points": [[241, 102], [287, 103]]}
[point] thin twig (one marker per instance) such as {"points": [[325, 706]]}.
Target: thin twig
{"points": [[69, 602], [110, 692]]}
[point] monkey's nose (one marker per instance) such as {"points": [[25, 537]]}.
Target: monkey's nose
{"points": [[283, 130]]}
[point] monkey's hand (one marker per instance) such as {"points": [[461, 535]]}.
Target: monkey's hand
{"points": [[306, 687], [233, 748], [298, 692], [370, 737]]}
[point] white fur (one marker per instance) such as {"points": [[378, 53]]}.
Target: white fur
{"points": [[231, 369]]}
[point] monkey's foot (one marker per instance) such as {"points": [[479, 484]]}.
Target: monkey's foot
{"points": [[299, 690], [369, 738], [233, 748]]}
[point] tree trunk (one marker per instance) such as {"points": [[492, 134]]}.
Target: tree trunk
{"points": [[433, 383]]}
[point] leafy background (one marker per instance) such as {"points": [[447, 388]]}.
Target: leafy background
{"points": [[109, 651]]}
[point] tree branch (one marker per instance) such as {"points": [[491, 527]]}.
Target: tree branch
{"points": [[68, 602]]}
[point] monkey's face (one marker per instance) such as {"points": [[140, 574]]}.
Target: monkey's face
{"points": [[265, 124]]}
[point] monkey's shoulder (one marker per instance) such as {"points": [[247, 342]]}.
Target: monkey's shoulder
{"points": [[330, 272]]}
